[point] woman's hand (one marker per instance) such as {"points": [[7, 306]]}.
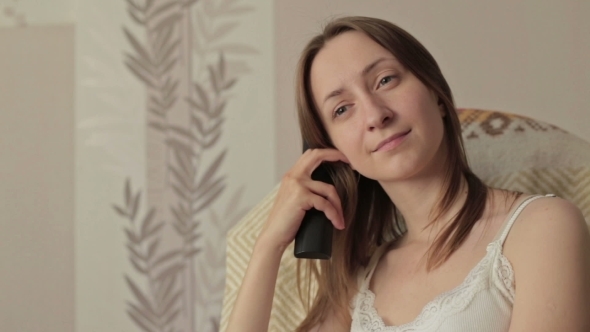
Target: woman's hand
{"points": [[299, 193]]}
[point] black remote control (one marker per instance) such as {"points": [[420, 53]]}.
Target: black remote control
{"points": [[314, 237]]}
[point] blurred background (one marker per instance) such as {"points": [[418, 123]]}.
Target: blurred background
{"points": [[135, 133]]}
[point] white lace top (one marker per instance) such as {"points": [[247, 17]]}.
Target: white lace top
{"points": [[482, 302]]}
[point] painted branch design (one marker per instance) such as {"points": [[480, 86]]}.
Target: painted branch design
{"points": [[156, 308], [183, 279]]}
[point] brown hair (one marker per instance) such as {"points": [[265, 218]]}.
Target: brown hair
{"points": [[369, 221]]}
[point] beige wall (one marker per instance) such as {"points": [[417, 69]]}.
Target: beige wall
{"points": [[526, 57], [114, 143], [37, 179]]}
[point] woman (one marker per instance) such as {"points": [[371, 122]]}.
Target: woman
{"points": [[421, 243]]}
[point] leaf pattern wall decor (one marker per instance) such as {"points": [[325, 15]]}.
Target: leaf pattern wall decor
{"points": [[178, 247], [12, 15]]}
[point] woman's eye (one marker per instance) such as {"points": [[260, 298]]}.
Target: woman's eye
{"points": [[386, 80], [340, 110]]}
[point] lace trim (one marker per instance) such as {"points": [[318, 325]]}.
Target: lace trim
{"points": [[504, 272], [445, 304]]}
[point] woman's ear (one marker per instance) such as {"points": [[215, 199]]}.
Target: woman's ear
{"points": [[439, 103], [441, 108]]}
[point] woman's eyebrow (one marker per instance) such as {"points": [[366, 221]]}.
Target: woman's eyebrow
{"points": [[364, 72], [332, 94], [372, 66]]}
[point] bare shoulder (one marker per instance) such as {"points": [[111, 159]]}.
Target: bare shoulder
{"points": [[548, 220], [549, 248], [548, 225]]}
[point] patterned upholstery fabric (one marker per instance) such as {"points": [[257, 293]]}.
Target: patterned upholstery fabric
{"points": [[505, 150]]}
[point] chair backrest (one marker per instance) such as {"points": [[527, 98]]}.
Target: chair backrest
{"points": [[505, 150], [518, 153]]}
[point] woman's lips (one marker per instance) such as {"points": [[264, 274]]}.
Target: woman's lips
{"points": [[392, 142]]}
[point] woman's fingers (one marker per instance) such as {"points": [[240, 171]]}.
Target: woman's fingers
{"points": [[312, 158], [329, 194], [299, 193]]}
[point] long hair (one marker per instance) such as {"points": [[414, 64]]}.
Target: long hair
{"points": [[373, 220]]}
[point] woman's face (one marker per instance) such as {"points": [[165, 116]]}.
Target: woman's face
{"points": [[378, 114]]}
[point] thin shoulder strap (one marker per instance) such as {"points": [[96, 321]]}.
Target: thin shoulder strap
{"points": [[366, 276], [501, 237]]}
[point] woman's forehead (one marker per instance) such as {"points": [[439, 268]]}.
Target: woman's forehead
{"points": [[344, 59], [350, 50]]}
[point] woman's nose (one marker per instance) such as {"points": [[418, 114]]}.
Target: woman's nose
{"points": [[377, 113]]}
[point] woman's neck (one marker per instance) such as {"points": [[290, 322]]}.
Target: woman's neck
{"points": [[418, 200]]}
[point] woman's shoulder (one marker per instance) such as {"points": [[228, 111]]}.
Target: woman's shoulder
{"points": [[548, 218], [549, 249], [549, 229], [536, 214]]}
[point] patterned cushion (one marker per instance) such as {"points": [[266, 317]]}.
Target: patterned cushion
{"points": [[506, 150], [518, 153]]}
